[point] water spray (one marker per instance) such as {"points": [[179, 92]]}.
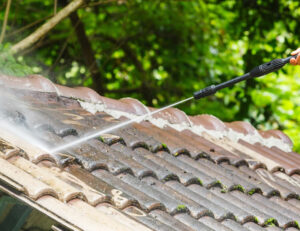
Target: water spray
{"points": [[258, 71]]}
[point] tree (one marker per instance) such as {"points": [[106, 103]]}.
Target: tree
{"points": [[162, 51]]}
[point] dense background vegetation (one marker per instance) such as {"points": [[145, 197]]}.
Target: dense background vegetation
{"points": [[162, 51]]}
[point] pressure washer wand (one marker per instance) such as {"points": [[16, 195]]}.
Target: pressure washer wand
{"points": [[258, 71]]}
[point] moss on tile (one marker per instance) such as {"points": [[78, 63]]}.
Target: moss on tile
{"points": [[238, 187], [164, 146], [224, 187], [176, 154], [101, 138], [255, 220], [252, 191], [271, 222], [200, 181], [297, 224], [224, 190], [181, 208]]}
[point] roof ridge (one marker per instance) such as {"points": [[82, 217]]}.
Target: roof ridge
{"points": [[91, 101]]}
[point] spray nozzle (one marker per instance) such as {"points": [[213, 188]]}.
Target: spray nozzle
{"points": [[258, 71]]}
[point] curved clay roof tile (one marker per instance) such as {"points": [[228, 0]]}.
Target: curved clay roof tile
{"points": [[31, 82], [140, 109], [209, 122], [242, 127], [172, 115], [83, 93], [276, 134], [118, 105]]}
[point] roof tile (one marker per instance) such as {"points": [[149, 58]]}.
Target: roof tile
{"points": [[147, 219], [253, 227], [212, 223], [125, 191], [64, 191], [218, 212], [169, 203], [256, 214], [165, 172], [280, 216], [233, 225], [235, 212], [203, 178], [32, 187], [192, 222], [165, 218], [195, 209]]}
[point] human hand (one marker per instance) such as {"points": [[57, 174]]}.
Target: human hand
{"points": [[296, 61]]}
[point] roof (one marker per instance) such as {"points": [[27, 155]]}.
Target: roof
{"points": [[170, 172]]}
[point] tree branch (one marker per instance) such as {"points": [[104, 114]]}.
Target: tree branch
{"points": [[5, 20], [46, 27], [27, 26]]}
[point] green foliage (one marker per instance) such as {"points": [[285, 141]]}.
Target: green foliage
{"points": [[162, 51], [9, 65]]}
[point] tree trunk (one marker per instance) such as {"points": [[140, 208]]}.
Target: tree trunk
{"points": [[87, 52]]}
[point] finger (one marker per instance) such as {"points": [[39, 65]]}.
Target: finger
{"points": [[295, 51], [293, 61]]}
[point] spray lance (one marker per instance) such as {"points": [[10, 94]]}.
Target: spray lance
{"points": [[258, 71]]}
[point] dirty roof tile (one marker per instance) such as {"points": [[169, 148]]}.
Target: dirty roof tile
{"points": [[212, 223], [241, 215], [92, 158], [256, 214], [283, 219], [196, 210], [267, 182], [233, 225], [175, 143], [286, 189], [229, 181], [148, 220], [192, 222], [253, 227], [159, 171], [285, 204], [184, 177], [125, 191], [275, 206], [253, 184], [138, 166], [165, 218], [219, 212], [167, 201], [272, 165], [163, 173], [202, 177]]}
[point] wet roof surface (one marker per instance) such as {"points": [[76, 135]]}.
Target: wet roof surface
{"points": [[162, 173]]}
